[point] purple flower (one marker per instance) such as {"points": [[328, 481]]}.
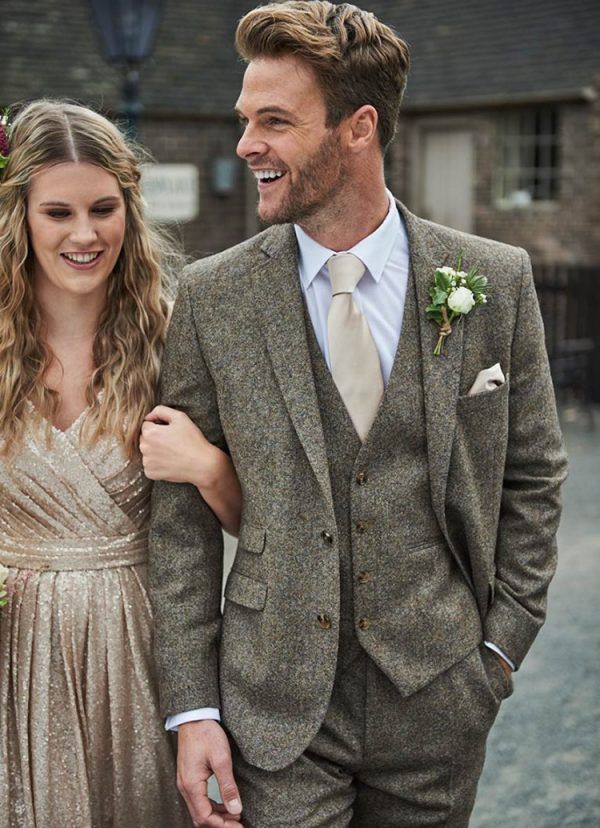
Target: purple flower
{"points": [[4, 148]]}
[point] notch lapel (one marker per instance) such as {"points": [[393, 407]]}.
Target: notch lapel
{"points": [[278, 298], [441, 374]]}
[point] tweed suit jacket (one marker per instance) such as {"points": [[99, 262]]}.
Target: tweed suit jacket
{"points": [[237, 362]]}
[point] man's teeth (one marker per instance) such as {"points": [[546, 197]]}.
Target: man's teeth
{"points": [[266, 175], [81, 258]]}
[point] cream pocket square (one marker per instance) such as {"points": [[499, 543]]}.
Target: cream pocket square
{"points": [[487, 380]]}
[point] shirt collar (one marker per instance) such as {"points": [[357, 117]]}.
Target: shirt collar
{"points": [[373, 251]]}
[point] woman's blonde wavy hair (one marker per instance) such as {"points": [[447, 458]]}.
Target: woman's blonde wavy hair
{"points": [[129, 340]]}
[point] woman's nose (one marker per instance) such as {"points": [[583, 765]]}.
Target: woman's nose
{"points": [[84, 232]]}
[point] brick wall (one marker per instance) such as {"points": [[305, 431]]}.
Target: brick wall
{"points": [[222, 221], [566, 231]]}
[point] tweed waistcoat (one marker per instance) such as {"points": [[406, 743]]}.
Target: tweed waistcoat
{"points": [[342, 445], [365, 519]]}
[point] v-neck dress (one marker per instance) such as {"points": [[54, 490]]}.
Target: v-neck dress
{"points": [[81, 741]]}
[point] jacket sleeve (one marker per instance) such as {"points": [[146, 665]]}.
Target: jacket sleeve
{"points": [[535, 467], [186, 541]]}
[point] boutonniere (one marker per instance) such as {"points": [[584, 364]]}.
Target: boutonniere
{"points": [[3, 576], [454, 294]]}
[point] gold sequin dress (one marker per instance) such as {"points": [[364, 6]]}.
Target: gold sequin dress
{"points": [[81, 741]]}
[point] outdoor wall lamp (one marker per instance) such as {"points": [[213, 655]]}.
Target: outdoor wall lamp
{"points": [[127, 29], [223, 175]]}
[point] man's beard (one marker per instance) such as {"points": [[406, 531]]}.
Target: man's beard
{"points": [[318, 181]]}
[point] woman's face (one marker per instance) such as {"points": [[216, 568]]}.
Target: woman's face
{"points": [[76, 221]]}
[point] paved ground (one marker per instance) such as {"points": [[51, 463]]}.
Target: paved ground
{"points": [[543, 765]]}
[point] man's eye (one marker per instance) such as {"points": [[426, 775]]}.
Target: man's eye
{"points": [[276, 121]]}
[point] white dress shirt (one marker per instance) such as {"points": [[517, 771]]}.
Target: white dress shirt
{"points": [[380, 295]]}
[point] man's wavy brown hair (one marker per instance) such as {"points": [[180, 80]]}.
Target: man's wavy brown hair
{"points": [[357, 59], [129, 340]]}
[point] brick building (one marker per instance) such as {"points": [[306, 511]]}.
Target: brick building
{"points": [[499, 133]]}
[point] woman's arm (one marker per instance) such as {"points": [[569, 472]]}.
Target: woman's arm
{"points": [[174, 449]]}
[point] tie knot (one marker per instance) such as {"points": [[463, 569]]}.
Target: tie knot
{"points": [[345, 272]]}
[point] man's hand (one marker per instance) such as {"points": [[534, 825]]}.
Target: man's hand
{"points": [[203, 749]]}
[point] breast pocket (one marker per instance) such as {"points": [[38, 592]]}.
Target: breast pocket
{"points": [[484, 405], [481, 434]]}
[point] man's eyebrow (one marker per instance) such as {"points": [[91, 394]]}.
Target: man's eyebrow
{"points": [[276, 110]]}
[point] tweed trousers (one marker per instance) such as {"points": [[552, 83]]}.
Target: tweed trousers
{"points": [[380, 760]]}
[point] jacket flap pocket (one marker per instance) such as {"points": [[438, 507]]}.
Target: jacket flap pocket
{"points": [[245, 591], [252, 538]]}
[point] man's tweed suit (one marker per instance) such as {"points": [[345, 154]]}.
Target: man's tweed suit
{"points": [[453, 499]]}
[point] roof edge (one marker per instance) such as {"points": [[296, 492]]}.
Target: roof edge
{"points": [[582, 94]]}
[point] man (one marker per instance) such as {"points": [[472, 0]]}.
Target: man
{"points": [[399, 507]]}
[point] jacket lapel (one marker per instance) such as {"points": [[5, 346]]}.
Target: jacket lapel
{"points": [[278, 299], [441, 374]]}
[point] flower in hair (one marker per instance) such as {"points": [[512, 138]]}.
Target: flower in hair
{"points": [[4, 136], [4, 573]]}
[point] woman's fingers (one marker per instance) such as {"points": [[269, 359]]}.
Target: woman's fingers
{"points": [[162, 414]]}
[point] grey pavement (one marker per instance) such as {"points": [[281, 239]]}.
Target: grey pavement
{"points": [[543, 763], [543, 760]]}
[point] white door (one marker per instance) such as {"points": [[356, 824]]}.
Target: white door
{"points": [[446, 173]]}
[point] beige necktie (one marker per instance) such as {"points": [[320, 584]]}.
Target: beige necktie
{"points": [[355, 365]]}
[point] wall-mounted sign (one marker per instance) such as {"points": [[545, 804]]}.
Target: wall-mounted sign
{"points": [[170, 191]]}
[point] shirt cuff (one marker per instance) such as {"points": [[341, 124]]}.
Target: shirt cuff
{"points": [[497, 650], [173, 722]]}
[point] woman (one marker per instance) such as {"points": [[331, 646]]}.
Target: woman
{"points": [[83, 315]]}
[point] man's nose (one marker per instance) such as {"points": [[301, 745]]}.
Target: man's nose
{"points": [[250, 144]]}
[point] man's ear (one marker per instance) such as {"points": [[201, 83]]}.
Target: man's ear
{"points": [[362, 128]]}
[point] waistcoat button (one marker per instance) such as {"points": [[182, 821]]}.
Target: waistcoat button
{"points": [[364, 623], [362, 526], [324, 621], [361, 478], [327, 537], [363, 577]]}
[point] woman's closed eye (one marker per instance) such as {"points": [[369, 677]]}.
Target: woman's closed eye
{"points": [[96, 211]]}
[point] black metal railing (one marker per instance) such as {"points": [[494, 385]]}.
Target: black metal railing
{"points": [[569, 299]]}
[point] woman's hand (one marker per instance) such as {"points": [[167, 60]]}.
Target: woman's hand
{"points": [[175, 450]]}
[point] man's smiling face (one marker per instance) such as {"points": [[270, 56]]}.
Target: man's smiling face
{"points": [[297, 160]]}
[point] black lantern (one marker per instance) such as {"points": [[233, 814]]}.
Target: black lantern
{"points": [[127, 29]]}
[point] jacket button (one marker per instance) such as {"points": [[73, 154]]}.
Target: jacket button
{"points": [[361, 478], [327, 537], [362, 526], [324, 621], [363, 577], [364, 623]]}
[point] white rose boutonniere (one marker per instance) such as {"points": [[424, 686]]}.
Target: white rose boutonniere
{"points": [[3, 576], [454, 294]]}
